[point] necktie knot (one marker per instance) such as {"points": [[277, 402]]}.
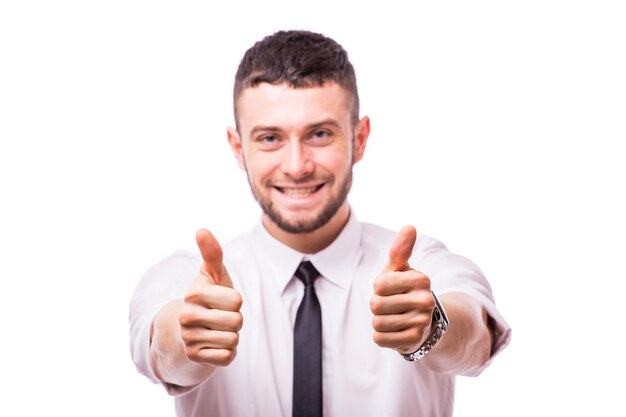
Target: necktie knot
{"points": [[307, 273]]}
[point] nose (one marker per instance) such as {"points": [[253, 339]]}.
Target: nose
{"points": [[298, 161]]}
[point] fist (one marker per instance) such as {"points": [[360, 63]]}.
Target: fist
{"points": [[402, 302], [210, 319]]}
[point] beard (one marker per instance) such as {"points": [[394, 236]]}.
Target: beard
{"points": [[298, 226]]}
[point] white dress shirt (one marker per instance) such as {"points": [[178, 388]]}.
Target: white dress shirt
{"points": [[359, 377]]}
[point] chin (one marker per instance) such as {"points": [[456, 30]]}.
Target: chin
{"points": [[299, 227], [298, 224]]}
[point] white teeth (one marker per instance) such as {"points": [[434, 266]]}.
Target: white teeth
{"points": [[298, 192]]}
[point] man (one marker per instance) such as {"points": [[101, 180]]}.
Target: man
{"points": [[311, 313]]}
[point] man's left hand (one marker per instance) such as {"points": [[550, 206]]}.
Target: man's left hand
{"points": [[402, 302]]}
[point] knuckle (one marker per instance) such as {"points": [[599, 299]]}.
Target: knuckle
{"points": [[186, 335], [422, 320], [421, 301], [376, 304], [422, 281], [224, 357], [237, 301], [237, 323], [186, 317], [379, 285], [378, 323], [379, 339], [415, 334], [425, 300], [233, 339], [210, 356], [192, 297], [192, 354]]}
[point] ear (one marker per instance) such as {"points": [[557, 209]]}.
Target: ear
{"points": [[235, 145], [361, 133]]}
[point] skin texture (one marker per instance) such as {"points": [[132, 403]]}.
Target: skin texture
{"points": [[402, 303], [192, 336], [291, 141], [298, 147]]}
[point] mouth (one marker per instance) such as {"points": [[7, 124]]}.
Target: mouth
{"points": [[299, 192]]}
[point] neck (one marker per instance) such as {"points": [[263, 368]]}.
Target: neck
{"points": [[314, 241]]}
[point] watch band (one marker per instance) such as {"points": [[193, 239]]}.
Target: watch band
{"points": [[440, 325]]}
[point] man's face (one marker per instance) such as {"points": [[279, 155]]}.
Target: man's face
{"points": [[298, 147]]}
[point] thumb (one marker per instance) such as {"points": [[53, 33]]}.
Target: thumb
{"points": [[212, 258], [401, 249]]}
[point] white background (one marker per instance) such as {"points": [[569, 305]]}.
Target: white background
{"points": [[497, 126]]}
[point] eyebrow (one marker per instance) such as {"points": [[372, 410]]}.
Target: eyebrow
{"points": [[327, 122], [264, 129], [273, 129]]}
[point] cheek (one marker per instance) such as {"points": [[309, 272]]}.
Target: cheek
{"points": [[260, 165], [336, 161]]}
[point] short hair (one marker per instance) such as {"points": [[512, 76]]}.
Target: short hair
{"points": [[302, 59]]}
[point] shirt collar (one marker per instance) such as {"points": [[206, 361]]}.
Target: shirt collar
{"points": [[336, 263]]}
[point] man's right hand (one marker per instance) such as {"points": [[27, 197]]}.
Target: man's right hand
{"points": [[210, 319]]}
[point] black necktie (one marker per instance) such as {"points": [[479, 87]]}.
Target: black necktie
{"points": [[307, 348]]}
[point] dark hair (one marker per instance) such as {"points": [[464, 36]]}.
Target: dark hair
{"points": [[299, 58]]}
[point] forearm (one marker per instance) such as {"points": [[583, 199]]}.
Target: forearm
{"points": [[467, 343], [167, 354]]}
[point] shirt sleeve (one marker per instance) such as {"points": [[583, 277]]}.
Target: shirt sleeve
{"points": [[450, 272], [166, 281]]}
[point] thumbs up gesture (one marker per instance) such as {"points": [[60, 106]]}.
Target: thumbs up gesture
{"points": [[402, 302], [210, 319]]}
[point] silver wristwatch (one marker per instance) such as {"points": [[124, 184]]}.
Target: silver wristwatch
{"points": [[439, 326]]}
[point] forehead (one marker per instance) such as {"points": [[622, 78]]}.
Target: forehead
{"points": [[287, 107]]}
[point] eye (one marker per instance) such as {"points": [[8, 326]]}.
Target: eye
{"points": [[321, 137], [268, 142], [268, 139]]}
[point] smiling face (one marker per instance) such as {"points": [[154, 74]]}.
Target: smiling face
{"points": [[298, 146]]}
